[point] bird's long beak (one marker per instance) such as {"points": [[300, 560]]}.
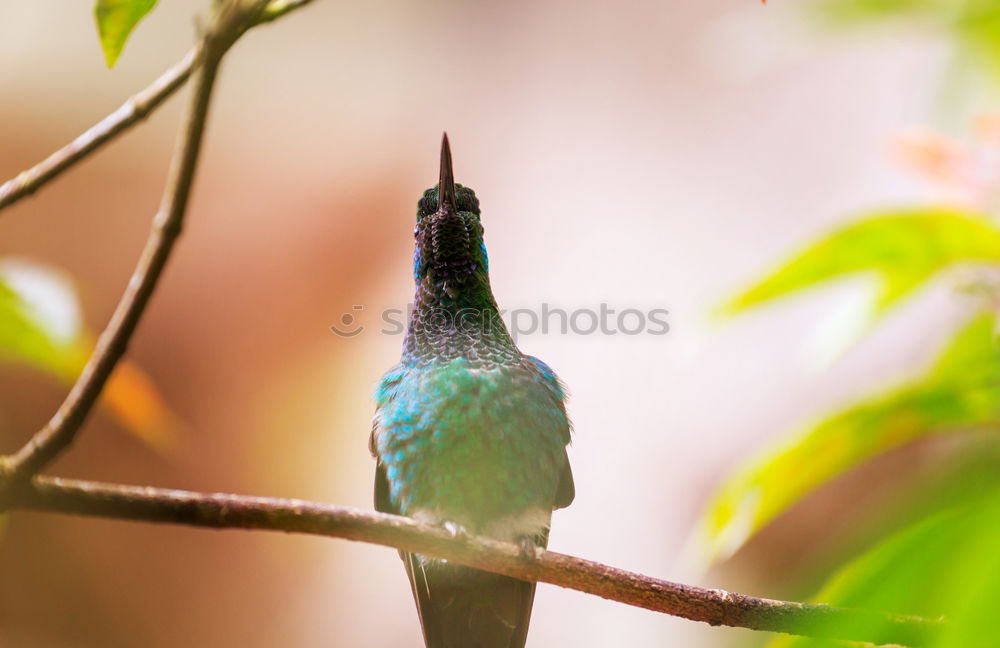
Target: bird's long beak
{"points": [[446, 184]]}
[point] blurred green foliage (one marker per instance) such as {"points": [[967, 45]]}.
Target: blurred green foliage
{"points": [[960, 391], [936, 551], [39, 318], [944, 565], [972, 25], [902, 249], [938, 554], [41, 327], [115, 21]]}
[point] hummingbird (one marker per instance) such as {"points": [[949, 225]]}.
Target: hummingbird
{"points": [[469, 432]]}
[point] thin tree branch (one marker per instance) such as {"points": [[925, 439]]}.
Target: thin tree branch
{"points": [[716, 607], [135, 109], [278, 8], [231, 22]]}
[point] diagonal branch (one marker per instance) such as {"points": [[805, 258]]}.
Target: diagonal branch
{"points": [[229, 24], [716, 607], [135, 109]]}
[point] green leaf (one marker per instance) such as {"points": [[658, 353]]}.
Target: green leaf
{"points": [[115, 21], [39, 318], [945, 565], [41, 326], [961, 390], [902, 249], [960, 475]]}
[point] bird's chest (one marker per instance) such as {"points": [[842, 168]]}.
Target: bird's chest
{"points": [[475, 442]]}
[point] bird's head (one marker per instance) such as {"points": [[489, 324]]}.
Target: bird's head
{"points": [[449, 236]]}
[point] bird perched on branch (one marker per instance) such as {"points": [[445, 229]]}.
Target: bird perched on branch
{"points": [[469, 433]]}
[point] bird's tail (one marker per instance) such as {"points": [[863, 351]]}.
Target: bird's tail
{"points": [[461, 607]]}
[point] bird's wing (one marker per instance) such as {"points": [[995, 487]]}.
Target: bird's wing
{"points": [[383, 503], [385, 392], [566, 490]]}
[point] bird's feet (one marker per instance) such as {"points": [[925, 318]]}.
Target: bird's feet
{"points": [[455, 530]]}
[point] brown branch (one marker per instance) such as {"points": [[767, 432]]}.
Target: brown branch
{"points": [[716, 607], [135, 109], [278, 8], [232, 20]]}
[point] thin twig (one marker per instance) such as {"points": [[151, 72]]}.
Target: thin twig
{"points": [[278, 8], [716, 607], [135, 109], [61, 429]]}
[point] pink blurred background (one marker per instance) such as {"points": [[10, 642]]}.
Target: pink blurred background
{"points": [[646, 154]]}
